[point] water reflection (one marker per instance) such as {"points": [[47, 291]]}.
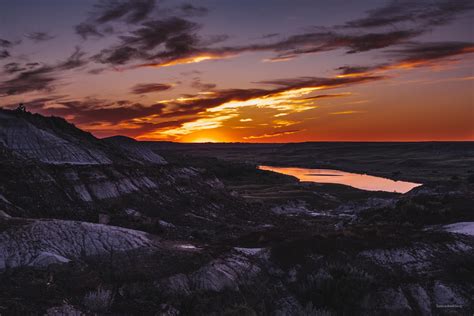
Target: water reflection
{"points": [[359, 181]]}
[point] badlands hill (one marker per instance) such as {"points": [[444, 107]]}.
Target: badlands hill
{"points": [[116, 226]]}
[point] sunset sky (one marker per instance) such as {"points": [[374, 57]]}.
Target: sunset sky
{"points": [[246, 70]]}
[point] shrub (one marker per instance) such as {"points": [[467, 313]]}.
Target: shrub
{"points": [[99, 300], [310, 310], [240, 310], [338, 286]]}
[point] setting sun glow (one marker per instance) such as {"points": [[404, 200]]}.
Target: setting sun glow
{"points": [[204, 140]]}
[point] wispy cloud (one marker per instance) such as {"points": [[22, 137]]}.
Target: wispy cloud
{"points": [[202, 86], [5, 45], [38, 77], [176, 34], [131, 11], [196, 125], [188, 9], [413, 55], [424, 13], [347, 112], [270, 135], [144, 88], [283, 123], [39, 36], [106, 11], [328, 96], [4, 54], [212, 110]]}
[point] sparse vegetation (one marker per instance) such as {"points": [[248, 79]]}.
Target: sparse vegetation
{"points": [[99, 300]]}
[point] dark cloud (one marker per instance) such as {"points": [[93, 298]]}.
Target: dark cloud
{"points": [[15, 67], [39, 36], [115, 115], [270, 35], [190, 10], [218, 98], [131, 11], [40, 103], [178, 46], [5, 44], [86, 30], [198, 84], [11, 68], [415, 55], [325, 41], [33, 64], [150, 88], [424, 13], [96, 71], [326, 96], [291, 47], [107, 11], [175, 34], [214, 39], [91, 110], [40, 79], [304, 82], [36, 77], [4, 54], [372, 41], [174, 40], [76, 60], [153, 33], [147, 127], [196, 105], [172, 123], [348, 70], [414, 52], [118, 55]]}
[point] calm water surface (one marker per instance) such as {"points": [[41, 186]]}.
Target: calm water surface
{"points": [[356, 180]]}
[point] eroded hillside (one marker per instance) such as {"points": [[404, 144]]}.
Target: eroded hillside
{"points": [[117, 226]]}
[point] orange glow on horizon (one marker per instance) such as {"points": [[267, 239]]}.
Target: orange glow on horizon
{"points": [[239, 119], [204, 140]]}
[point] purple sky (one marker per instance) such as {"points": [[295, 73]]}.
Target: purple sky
{"points": [[257, 71]]}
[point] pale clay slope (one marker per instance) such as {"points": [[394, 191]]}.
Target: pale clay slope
{"points": [[140, 152], [223, 273], [112, 188], [464, 228], [26, 140], [243, 265], [42, 242], [135, 150]]}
